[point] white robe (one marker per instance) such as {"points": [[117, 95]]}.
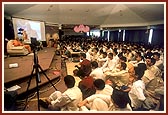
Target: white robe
{"points": [[68, 100]]}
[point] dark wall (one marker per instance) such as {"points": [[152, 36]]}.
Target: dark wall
{"points": [[138, 36], [8, 29], [51, 29], [8, 32], [158, 37]]}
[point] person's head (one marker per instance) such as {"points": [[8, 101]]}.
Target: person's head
{"points": [[120, 54], [69, 81], [156, 55], [128, 51], [119, 98], [110, 56], [140, 70], [123, 59], [123, 65], [75, 72], [115, 51], [85, 49], [94, 64], [82, 55], [104, 54], [139, 56], [150, 61], [108, 80], [99, 84], [95, 50], [101, 51]]}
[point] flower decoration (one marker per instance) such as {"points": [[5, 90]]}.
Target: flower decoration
{"points": [[81, 28]]}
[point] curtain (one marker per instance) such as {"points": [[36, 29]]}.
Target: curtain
{"points": [[158, 37]]}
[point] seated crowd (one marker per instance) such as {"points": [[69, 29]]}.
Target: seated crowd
{"points": [[113, 77]]}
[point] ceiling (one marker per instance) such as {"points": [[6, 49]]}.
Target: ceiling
{"points": [[95, 14]]}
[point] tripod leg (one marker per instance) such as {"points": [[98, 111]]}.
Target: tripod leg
{"points": [[46, 76], [37, 81], [28, 88]]}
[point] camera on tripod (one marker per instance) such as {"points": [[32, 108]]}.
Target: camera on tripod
{"points": [[35, 45]]}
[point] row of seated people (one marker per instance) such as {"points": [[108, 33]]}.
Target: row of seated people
{"points": [[122, 88], [96, 51]]}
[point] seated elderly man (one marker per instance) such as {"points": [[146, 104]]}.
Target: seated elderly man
{"points": [[16, 42]]}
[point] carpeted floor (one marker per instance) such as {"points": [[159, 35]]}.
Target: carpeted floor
{"points": [[67, 68], [45, 90]]}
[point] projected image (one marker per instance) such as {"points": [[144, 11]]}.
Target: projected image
{"points": [[25, 29]]}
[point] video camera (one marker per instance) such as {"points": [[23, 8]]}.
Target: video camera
{"points": [[35, 45]]}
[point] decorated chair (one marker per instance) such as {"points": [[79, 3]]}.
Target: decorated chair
{"points": [[16, 50]]}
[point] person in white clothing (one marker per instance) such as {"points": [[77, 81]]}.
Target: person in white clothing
{"points": [[97, 102], [139, 59], [66, 101], [136, 94], [77, 77], [110, 64], [102, 102], [88, 54], [102, 60], [140, 100], [150, 62], [103, 87], [159, 62], [97, 73], [115, 55], [120, 76]]}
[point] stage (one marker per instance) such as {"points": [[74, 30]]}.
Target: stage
{"points": [[48, 61]]}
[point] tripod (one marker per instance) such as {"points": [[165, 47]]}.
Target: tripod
{"points": [[36, 68]]}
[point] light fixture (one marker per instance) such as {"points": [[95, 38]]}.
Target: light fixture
{"points": [[81, 28]]}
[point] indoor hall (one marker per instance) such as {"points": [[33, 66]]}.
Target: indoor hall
{"points": [[117, 39]]}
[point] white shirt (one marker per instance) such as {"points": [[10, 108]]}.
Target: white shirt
{"points": [[109, 64], [69, 99], [116, 58], [136, 93], [97, 74], [108, 90], [156, 71], [88, 57], [135, 63], [100, 102], [159, 64]]}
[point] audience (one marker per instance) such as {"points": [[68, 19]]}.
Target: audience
{"points": [[66, 101], [118, 77], [110, 77]]}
